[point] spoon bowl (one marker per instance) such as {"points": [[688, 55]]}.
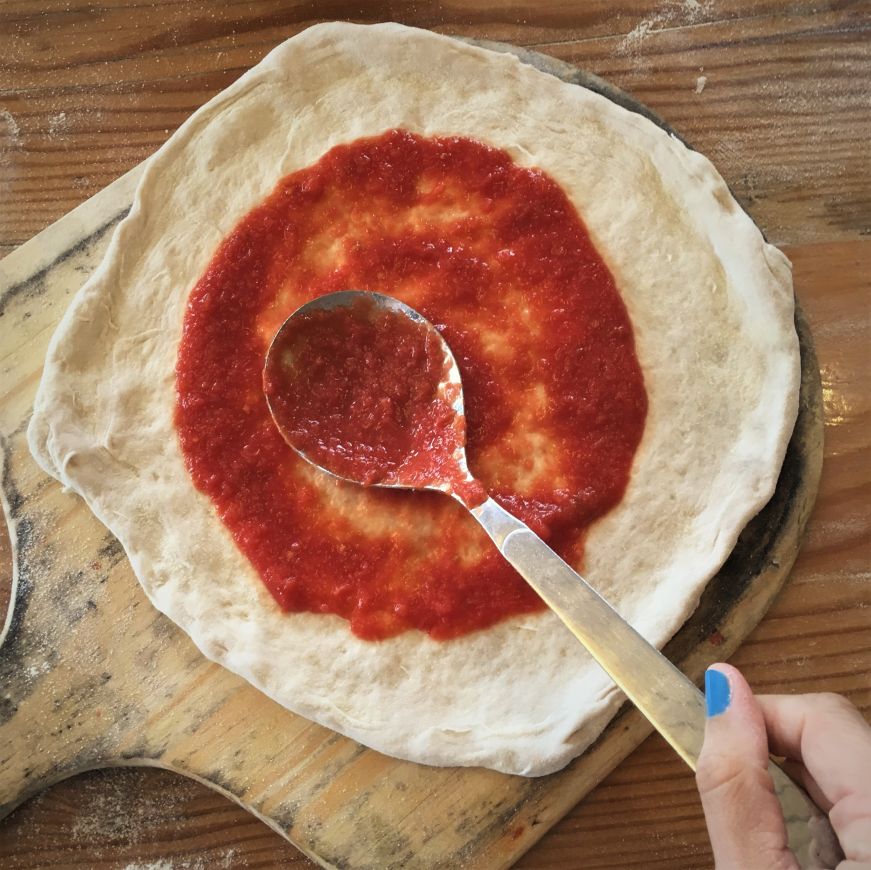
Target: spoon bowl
{"points": [[282, 368]]}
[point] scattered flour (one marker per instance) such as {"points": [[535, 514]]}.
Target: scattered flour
{"points": [[57, 124], [225, 863], [111, 815], [10, 136], [9, 127], [672, 13], [114, 816]]}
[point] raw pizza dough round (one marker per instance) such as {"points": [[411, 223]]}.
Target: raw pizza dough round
{"points": [[712, 308]]}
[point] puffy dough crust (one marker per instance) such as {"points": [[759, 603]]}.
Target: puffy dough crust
{"points": [[712, 309]]}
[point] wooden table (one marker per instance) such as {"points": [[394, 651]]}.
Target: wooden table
{"points": [[778, 100]]}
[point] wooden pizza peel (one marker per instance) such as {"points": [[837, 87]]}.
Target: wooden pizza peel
{"points": [[91, 675]]}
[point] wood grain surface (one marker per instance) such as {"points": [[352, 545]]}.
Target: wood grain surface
{"points": [[776, 95]]}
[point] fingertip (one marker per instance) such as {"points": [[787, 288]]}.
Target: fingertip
{"points": [[742, 813], [718, 692], [734, 720], [723, 676]]}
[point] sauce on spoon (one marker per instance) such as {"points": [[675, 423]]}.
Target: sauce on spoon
{"points": [[366, 392]]}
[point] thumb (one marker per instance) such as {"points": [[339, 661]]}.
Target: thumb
{"points": [[743, 815]]}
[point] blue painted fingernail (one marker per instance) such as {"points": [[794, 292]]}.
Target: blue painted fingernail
{"points": [[717, 692]]}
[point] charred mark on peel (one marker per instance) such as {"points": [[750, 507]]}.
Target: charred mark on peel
{"points": [[143, 752], [111, 549], [35, 286]]}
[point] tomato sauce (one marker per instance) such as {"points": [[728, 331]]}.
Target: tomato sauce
{"points": [[495, 256]]}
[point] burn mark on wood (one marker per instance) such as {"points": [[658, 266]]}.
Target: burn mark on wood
{"points": [[71, 596], [36, 285], [142, 751], [111, 550], [388, 847], [8, 708], [14, 497], [219, 778], [285, 815], [26, 655], [330, 770]]}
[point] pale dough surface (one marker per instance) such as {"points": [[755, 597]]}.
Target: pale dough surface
{"points": [[712, 308]]}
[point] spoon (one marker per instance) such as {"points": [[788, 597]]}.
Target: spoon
{"points": [[331, 404]]}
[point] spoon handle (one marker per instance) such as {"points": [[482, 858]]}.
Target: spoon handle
{"points": [[672, 703]]}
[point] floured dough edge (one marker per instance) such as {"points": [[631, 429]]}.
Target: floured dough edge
{"points": [[521, 697]]}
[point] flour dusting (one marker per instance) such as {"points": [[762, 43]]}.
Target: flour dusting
{"points": [[225, 862], [58, 124], [9, 126], [673, 13], [115, 810], [118, 822], [10, 135], [112, 816]]}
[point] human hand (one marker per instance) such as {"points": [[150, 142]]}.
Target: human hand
{"points": [[828, 746]]}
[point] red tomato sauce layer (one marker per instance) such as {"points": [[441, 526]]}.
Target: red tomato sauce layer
{"points": [[499, 260], [363, 391]]}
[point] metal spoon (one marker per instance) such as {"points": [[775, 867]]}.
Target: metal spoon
{"points": [[672, 703]]}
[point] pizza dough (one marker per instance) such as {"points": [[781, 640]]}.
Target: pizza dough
{"points": [[712, 308]]}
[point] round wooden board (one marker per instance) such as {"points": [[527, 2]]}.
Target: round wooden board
{"points": [[93, 676]]}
